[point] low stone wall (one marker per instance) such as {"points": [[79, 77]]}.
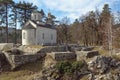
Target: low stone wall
{"points": [[18, 60], [62, 55], [42, 49], [50, 49], [86, 54], [2, 59], [30, 48], [6, 46]]}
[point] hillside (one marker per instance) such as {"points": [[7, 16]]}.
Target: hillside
{"points": [[95, 68]]}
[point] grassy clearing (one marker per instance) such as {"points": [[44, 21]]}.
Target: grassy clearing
{"points": [[106, 53], [101, 51], [23, 73], [117, 57]]}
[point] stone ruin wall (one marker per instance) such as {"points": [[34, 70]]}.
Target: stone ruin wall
{"points": [[57, 53], [18, 60], [46, 49], [59, 56], [53, 49], [85, 54]]}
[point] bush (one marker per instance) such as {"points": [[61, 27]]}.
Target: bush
{"points": [[66, 67], [77, 65]]}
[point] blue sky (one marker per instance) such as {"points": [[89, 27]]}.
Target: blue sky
{"points": [[73, 8]]}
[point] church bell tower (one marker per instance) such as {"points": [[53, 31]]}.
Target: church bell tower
{"points": [[36, 16]]}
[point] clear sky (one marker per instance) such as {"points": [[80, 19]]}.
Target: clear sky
{"points": [[73, 8]]}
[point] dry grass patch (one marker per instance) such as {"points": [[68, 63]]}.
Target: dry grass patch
{"points": [[117, 57], [102, 51]]}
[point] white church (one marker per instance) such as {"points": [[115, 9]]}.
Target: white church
{"points": [[36, 32]]}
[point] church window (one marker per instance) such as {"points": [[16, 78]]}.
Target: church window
{"points": [[35, 16], [51, 37], [24, 35], [43, 35]]}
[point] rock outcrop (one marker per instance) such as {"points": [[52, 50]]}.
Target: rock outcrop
{"points": [[102, 64], [100, 68], [52, 73], [104, 68]]}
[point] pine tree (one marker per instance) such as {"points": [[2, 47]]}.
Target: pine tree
{"points": [[6, 4], [13, 20], [24, 10]]}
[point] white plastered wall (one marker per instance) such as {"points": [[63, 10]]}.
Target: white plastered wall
{"points": [[28, 37], [47, 35]]}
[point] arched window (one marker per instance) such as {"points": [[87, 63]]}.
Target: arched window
{"points": [[35, 17], [51, 36], [43, 35], [23, 35]]}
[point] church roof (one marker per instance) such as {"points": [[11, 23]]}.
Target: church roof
{"points": [[29, 26], [43, 25], [36, 11], [40, 24]]}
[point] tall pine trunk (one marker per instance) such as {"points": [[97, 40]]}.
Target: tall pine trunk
{"points": [[15, 31], [6, 8]]}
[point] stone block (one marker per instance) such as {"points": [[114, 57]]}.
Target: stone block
{"points": [[86, 54], [62, 55], [18, 60], [91, 54], [6, 46], [87, 48]]}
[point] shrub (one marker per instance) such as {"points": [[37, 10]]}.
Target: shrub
{"points": [[66, 67], [77, 65]]}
